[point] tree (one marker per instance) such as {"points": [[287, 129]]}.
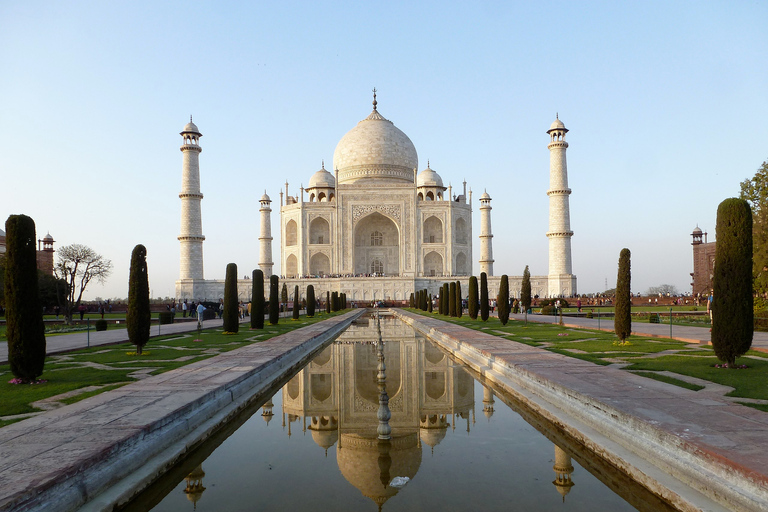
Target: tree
{"points": [[284, 296], [412, 302], [459, 306], [138, 316], [274, 306], [732, 304], [78, 265], [525, 292], [445, 297], [452, 298], [257, 301], [473, 298], [311, 304], [502, 301], [622, 321], [296, 303], [231, 307], [663, 289], [429, 304], [755, 192], [25, 331], [328, 302], [484, 296]]}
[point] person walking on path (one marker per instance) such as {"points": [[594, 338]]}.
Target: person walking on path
{"points": [[710, 301], [200, 309]]}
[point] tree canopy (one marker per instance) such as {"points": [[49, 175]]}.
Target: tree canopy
{"points": [[78, 265], [755, 192]]}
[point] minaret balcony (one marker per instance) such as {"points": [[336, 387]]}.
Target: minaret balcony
{"points": [[560, 191]]}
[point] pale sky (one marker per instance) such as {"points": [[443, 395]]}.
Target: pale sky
{"points": [[666, 104]]}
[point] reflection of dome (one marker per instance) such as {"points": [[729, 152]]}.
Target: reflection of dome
{"points": [[322, 179], [325, 438], [432, 436], [358, 459], [429, 178], [375, 148], [194, 488]]}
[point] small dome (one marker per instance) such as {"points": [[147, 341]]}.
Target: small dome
{"points": [[429, 178], [322, 179], [191, 127], [485, 196], [265, 197], [557, 125], [697, 231], [48, 237]]}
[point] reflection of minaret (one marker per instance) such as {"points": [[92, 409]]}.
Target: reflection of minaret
{"points": [[563, 470], [488, 402], [325, 431], [194, 489], [383, 414], [266, 410]]}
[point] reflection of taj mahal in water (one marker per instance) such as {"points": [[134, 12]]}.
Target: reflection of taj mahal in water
{"points": [[375, 227], [338, 395]]}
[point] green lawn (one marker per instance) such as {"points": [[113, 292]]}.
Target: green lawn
{"points": [[116, 363], [600, 347]]}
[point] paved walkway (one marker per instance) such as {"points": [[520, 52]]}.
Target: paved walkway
{"points": [[688, 334]]}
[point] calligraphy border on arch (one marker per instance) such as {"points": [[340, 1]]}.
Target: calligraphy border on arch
{"points": [[391, 210]]}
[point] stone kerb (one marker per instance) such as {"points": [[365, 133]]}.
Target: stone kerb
{"points": [[63, 459], [702, 476]]}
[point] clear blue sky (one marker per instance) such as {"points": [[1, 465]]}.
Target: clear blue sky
{"points": [[666, 105]]}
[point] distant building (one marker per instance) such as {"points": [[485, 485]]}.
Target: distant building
{"points": [[44, 252], [703, 262]]}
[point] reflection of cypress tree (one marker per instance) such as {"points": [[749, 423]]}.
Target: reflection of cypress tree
{"points": [[622, 321], [25, 331], [274, 306], [484, 313], [502, 301], [473, 298], [310, 301], [257, 302], [138, 316], [231, 313], [732, 306], [452, 298], [296, 303], [459, 307]]}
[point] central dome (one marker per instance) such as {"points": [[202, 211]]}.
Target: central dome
{"points": [[375, 149]]}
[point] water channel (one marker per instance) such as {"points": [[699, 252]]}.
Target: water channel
{"points": [[454, 444]]}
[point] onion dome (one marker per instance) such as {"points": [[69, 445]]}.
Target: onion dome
{"points": [[375, 149], [48, 238], [557, 124], [429, 178], [485, 196], [697, 231], [265, 197], [322, 179]]}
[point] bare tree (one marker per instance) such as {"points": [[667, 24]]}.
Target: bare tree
{"points": [[78, 265]]}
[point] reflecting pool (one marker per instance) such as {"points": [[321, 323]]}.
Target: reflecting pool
{"points": [[453, 444]]}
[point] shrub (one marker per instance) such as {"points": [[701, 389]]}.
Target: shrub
{"points": [[257, 300], [209, 314], [165, 317], [589, 314], [654, 319], [732, 304], [549, 310], [274, 306], [311, 304], [25, 331], [101, 324], [231, 307], [484, 313], [622, 322], [138, 317]]}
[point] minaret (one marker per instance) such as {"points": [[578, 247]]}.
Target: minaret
{"points": [[265, 237], [191, 238], [561, 279], [486, 242]]}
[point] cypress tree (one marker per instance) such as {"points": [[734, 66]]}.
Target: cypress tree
{"points": [[138, 316], [484, 313], [257, 302], [296, 303], [274, 305], [423, 300], [445, 297], [328, 302], [284, 295], [335, 301], [732, 303], [459, 307], [25, 331], [525, 292], [502, 301], [429, 304], [452, 299], [622, 321], [231, 307], [344, 300], [473, 298], [311, 301], [412, 302]]}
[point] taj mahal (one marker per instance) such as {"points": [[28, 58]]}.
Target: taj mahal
{"points": [[376, 228]]}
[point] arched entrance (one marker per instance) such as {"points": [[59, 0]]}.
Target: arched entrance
{"points": [[377, 246]]}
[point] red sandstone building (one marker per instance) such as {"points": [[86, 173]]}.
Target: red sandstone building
{"points": [[703, 263], [44, 252]]}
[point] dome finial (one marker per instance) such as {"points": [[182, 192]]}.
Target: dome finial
{"points": [[427, 163], [322, 163], [190, 118], [557, 115], [374, 98]]}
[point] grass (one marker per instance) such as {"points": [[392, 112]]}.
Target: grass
{"points": [[643, 355], [75, 370]]}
